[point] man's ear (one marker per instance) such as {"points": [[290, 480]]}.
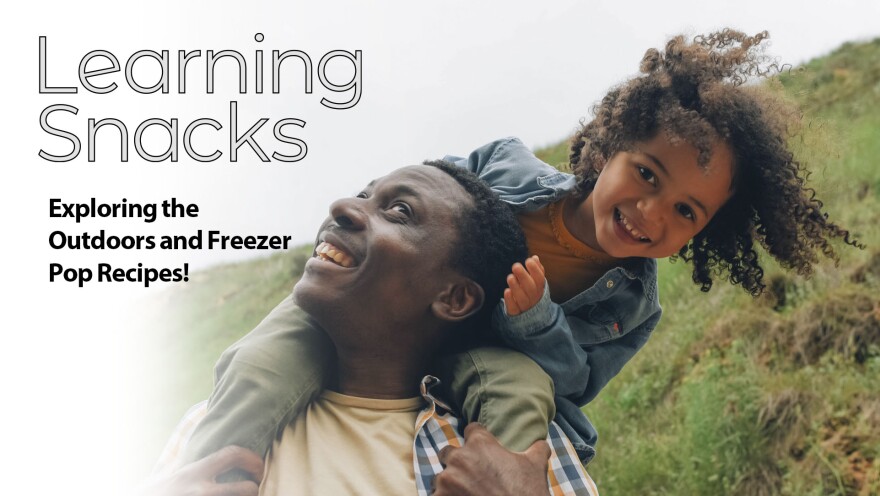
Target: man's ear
{"points": [[459, 301]]}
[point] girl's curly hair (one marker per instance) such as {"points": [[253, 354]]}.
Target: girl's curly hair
{"points": [[694, 91]]}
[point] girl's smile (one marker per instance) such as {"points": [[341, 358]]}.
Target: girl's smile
{"points": [[649, 202]]}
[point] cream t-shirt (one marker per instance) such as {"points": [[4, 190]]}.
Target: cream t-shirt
{"points": [[345, 445]]}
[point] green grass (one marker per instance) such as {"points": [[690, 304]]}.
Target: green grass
{"points": [[732, 395]]}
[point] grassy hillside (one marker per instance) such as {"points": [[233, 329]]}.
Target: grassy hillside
{"points": [[778, 395], [733, 395]]}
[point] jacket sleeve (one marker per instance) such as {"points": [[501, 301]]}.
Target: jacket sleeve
{"points": [[580, 367], [506, 162]]}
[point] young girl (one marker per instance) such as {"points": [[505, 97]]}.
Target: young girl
{"points": [[682, 160]]}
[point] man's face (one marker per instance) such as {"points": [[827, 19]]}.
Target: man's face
{"points": [[382, 256]]}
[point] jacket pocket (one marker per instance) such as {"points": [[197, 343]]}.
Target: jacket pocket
{"points": [[593, 324]]}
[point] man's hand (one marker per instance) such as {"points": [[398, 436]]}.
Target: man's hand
{"points": [[525, 285], [482, 467], [199, 478]]}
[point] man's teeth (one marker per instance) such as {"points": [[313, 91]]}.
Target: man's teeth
{"points": [[329, 253], [632, 230]]}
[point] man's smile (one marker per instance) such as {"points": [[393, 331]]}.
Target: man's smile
{"points": [[331, 253]]}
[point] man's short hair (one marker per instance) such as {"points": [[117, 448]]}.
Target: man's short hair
{"points": [[490, 239]]}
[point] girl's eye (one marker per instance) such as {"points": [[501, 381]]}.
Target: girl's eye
{"points": [[646, 174], [686, 211], [402, 208]]}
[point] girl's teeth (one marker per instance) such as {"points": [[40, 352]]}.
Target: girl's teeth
{"points": [[634, 232]]}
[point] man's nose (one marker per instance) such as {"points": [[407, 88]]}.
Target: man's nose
{"points": [[348, 213]]}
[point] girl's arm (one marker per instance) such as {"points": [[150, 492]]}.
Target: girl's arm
{"points": [[564, 346], [520, 179]]}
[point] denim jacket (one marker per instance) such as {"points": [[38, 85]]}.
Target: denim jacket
{"points": [[585, 341]]}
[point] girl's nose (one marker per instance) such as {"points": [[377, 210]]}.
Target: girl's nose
{"points": [[652, 209]]}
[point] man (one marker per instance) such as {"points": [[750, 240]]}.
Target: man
{"points": [[406, 283]]}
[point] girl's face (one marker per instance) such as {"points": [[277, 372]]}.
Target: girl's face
{"points": [[651, 201]]}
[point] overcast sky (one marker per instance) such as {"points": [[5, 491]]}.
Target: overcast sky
{"points": [[437, 77]]}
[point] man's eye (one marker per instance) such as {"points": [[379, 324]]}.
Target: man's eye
{"points": [[401, 207], [646, 174], [686, 211]]}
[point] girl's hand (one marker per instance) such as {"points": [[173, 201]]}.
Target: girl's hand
{"points": [[525, 285]]}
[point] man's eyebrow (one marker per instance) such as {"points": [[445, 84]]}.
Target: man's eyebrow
{"points": [[403, 189], [396, 189], [367, 188]]}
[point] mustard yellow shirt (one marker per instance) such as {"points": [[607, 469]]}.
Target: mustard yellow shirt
{"points": [[570, 265]]}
